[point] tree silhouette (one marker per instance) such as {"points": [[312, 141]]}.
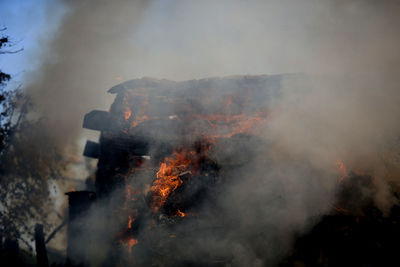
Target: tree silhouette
{"points": [[28, 162]]}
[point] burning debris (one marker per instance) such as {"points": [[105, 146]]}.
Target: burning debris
{"points": [[169, 176]]}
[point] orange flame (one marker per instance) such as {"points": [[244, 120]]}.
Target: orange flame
{"points": [[222, 123], [139, 115], [139, 119], [229, 119], [168, 176], [226, 126], [132, 242], [127, 113], [342, 169], [180, 214], [131, 220]]}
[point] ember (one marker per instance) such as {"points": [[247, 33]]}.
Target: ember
{"points": [[130, 222], [180, 214], [342, 169], [128, 114]]}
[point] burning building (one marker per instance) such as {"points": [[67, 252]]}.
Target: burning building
{"points": [[162, 155], [178, 183]]}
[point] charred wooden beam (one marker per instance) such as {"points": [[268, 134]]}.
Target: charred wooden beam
{"points": [[41, 252], [97, 120], [92, 150]]}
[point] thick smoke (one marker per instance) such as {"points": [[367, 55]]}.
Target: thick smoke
{"points": [[347, 110], [100, 43], [80, 63]]}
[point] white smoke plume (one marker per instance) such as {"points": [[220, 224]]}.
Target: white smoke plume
{"points": [[348, 110]]}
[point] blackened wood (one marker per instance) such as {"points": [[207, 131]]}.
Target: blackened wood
{"points": [[97, 120], [41, 252], [92, 150]]}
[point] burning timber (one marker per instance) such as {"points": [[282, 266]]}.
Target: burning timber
{"points": [[173, 132], [165, 151]]}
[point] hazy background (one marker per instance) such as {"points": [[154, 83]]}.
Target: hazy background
{"points": [[348, 50]]}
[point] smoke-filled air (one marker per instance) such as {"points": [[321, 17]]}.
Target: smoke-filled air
{"points": [[235, 133]]}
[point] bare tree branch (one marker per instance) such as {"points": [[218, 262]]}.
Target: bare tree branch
{"points": [[58, 228], [11, 52]]}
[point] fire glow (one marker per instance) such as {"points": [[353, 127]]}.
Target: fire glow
{"points": [[168, 176], [186, 165], [342, 169], [183, 161], [180, 214]]}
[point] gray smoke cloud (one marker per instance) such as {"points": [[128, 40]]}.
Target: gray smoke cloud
{"points": [[99, 43], [348, 110]]}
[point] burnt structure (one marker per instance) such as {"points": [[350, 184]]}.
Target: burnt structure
{"points": [[160, 114], [164, 153], [154, 124]]}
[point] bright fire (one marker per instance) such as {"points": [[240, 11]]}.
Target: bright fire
{"points": [[127, 113], [180, 214], [127, 237], [131, 220], [168, 176], [227, 120]]}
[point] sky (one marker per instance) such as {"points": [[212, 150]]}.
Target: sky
{"points": [[28, 28]]}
